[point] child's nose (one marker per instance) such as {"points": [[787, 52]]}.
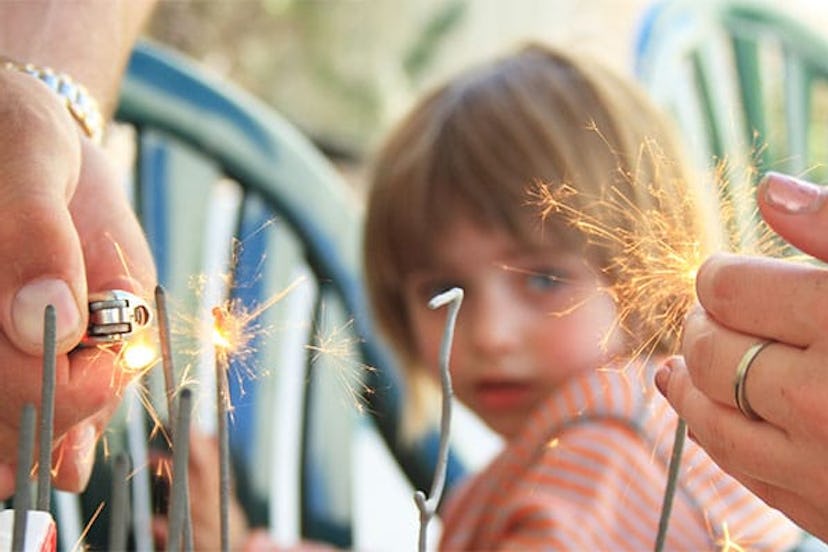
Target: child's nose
{"points": [[494, 323]]}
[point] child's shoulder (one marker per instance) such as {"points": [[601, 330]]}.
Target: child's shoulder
{"points": [[623, 394]]}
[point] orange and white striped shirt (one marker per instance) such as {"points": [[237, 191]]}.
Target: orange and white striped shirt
{"points": [[588, 472]]}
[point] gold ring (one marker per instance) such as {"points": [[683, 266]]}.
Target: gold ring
{"points": [[739, 383]]}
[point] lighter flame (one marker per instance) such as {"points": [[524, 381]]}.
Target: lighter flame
{"points": [[138, 354]]}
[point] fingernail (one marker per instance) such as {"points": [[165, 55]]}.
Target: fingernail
{"points": [[790, 195], [30, 303]]}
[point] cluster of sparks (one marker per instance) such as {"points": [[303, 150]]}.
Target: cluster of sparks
{"points": [[656, 258]]}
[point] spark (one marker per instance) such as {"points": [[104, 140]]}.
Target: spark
{"points": [[236, 326], [655, 265], [80, 544], [653, 258], [340, 346], [229, 328], [726, 544]]}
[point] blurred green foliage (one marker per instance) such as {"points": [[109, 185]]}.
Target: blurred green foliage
{"points": [[338, 69]]}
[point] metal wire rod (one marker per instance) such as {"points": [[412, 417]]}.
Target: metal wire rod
{"points": [[47, 409], [428, 506], [22, 493]]}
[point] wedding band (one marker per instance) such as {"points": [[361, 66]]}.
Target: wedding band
{"points": [[739, 389]]}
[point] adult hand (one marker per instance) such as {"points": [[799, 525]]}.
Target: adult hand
{"points": [[66, 229], [743, 301]]}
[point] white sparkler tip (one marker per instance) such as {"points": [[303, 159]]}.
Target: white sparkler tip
{"points": [[455, 294]]}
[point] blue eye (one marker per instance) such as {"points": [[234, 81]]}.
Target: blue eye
{"points": [[543, 281]]}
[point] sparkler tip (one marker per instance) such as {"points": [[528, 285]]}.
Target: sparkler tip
{"points": [[446, 297]]}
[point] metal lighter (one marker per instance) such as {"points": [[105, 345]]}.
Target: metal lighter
{"points": [[115, 316]]}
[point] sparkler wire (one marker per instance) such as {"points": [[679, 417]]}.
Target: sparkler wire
{"points": [[47, 409], [428, 506], [672, 479], [166, 348], [119, 515], [170, 386], [181, 454], [22, 498], [224, 447]]}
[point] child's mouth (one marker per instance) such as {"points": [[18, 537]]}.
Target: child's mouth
{"points": [[502, 395]]}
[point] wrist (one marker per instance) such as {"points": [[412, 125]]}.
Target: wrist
{"points": [[81, 104]]}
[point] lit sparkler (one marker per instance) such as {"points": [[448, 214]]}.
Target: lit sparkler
{"points": [[232, 329], [655, 262], [222, 339]]}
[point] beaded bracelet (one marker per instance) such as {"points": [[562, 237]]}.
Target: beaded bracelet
{"points": [[83, 107]]}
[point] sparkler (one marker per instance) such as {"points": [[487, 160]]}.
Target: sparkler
{"points": [[428, 506], [22, 485], [47, 408], [222, 340], [653, 269], [120, 510], [166, 349], [655, 266], [179, 498]]}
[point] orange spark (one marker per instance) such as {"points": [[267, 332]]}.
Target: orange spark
{"points": [[338, 347], [653, 253], [727, 544]]}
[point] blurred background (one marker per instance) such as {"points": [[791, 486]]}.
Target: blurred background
{"points": [[344, 70]]}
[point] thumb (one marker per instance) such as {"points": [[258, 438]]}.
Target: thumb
{"points": [[797, 210], [39, 247]]}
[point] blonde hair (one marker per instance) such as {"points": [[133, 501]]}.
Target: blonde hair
{"points": [[475, 146]]}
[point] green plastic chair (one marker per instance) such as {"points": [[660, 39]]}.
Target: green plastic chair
{"points": [[233, 196], [746, 83]]}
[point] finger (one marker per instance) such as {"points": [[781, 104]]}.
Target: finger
{"points": [[7, 480], [774, 381], [88, 391], [809, 516], [115, 250], [74, 456], [754, 449], [92, 388], [712, 353], [40, 156], [769, 298], [797, 211], [786, 386]]}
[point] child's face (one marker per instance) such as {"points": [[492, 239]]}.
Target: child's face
{"points": [[531, 318]]}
